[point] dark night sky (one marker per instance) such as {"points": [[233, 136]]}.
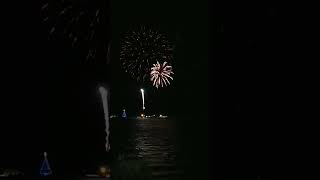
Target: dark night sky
{"points": [[123, 19], [49, 96]]}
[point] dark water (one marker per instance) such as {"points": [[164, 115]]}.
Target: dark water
{"points": [[152, 140]]}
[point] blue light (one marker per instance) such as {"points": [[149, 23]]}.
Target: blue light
{"points": [[45, 168]]}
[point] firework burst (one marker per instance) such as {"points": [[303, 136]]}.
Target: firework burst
{"points": [[141, 48], [160, 74], [81, 22]]}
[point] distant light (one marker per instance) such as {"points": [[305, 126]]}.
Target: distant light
{"points": [[104, 171], [141, 90]]}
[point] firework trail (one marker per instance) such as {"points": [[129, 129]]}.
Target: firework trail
{"points": [[81, 22], [142, 94], [160, 74], [142, 47]]}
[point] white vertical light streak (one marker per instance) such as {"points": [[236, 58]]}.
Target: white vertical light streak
{"points": [[142, 93], [104, 97]]}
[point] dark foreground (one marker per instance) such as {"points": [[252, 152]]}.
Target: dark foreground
{"points": [[150, 144]]}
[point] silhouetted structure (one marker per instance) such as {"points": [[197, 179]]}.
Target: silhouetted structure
{"points": [[124, 115], [45, 168]]}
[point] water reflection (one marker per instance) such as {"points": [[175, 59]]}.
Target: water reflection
{"points": [[153, 140]]}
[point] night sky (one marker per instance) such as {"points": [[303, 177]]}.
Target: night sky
{"points": [[227, 72], [50, 95]]}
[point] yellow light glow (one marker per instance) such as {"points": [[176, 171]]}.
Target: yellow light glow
{"points": [[104, 171]]}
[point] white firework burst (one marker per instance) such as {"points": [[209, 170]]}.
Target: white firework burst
{"points": [[160, 74], [140, 48]]}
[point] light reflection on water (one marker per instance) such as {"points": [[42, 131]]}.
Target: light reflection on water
{"points": [[153, 140]]}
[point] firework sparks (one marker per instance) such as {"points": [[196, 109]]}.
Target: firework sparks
{"points": [[82, 23], [160, 74], [141, 48]]}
